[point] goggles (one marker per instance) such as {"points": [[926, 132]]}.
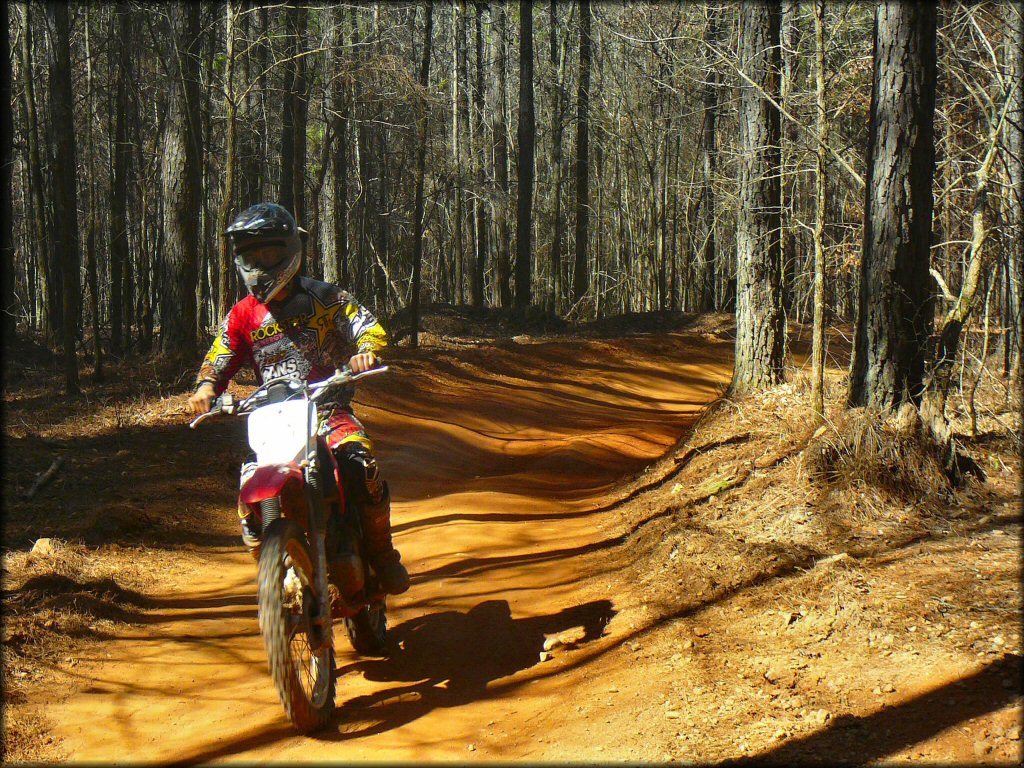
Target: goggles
{"points": [[262, 256]]}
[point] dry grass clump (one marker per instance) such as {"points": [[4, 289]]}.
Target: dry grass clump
{"points": [[53, 598], [861, 449]]}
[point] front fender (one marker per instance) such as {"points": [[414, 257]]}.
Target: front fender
{"points": [[269, 481]]}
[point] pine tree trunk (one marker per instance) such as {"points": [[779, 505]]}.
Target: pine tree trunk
{"points": [[580, 276], [181, 174], [1014, 142], [481, 243], [421, 163], [760, 319], [40, 230], [818, 331], [709, 152], [65, 207], [503, 268], [224, 258], [525, 136], [10, 301], [895, 305]]}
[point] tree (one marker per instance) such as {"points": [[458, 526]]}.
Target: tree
{"points": [[709, 155], [10, 300], [421, 163], [527, 125], [820, 158], [894, 313], [1014, 129], [580, 277], [65, 204], [760, 318], [181, 174], [119, 253]]}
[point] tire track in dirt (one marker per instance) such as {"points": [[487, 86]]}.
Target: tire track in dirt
{"points": [[502, 462]]}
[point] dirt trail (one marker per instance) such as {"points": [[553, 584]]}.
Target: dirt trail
{"points": [[504, 462]]}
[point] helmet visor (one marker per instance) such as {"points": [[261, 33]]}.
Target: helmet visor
{"points": [[262, 257]]}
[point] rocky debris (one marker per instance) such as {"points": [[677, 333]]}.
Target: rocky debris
{"points": [[546, 656]]}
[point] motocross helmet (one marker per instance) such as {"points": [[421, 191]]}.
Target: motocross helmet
{"points": [[267, 245]]}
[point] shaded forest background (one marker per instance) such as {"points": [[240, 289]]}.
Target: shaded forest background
{"points": [[818, 162]]}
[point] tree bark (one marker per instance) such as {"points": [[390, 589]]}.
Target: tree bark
{"points": [[525, 135], [421, 164], [760, 319], [895, 306], [119, 184], [821, 157], [1014, 142], [10, 300], [65, 207], [224, 259], [581, 276], [181, 174], [40, 230], [709, 152], [481, 240], [503, 268]]}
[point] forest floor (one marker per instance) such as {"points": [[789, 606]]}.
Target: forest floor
{"points": [[610, 563]]}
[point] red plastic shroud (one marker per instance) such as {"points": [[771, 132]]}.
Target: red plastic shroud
{"points": [[270, 480]]}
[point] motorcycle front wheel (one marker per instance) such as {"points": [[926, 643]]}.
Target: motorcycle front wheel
{"points": [[302, 667]]}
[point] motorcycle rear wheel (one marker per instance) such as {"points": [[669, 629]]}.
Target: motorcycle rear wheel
{"points": [[367, 630], [304, 677]]}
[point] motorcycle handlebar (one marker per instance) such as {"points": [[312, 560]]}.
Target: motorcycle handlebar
{"points": [[226, 403]]}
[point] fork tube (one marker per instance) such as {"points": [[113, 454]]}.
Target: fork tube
{"points": [[317, 529]]}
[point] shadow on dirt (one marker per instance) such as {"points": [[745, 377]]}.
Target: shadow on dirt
{"points": [[891, 729], [448, 659]]}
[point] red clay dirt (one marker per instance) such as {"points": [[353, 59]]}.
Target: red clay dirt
{"points": [[586, 587], [504, 463]]}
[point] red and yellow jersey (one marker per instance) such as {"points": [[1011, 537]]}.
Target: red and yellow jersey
{"points": [[306, 336]]}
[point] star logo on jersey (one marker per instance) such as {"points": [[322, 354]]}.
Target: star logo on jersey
{"points": [[219, 349], [322, 319]]}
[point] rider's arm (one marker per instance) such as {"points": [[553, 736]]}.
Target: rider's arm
{"points": [[361, 328], [227, 353]]}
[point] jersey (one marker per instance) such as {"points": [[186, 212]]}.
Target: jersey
{"points": [[315, 330]]}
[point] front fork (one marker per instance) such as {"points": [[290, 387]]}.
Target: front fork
{"points": [[318, 538]]}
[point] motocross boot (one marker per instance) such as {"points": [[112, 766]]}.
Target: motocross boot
{"points": [[385, 559], [251, 537]]}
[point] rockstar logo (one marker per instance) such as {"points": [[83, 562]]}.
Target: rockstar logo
{"points": [[322, 320], [219, 349]]}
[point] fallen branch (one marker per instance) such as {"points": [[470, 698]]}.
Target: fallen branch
{"points": [[44, 478]]}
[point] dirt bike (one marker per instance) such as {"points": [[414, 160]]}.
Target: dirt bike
{"points": [[311, 569]]}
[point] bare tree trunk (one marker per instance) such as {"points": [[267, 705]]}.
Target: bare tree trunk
{"points": [[760, 318], [10, 301], [66, 242], [481, 245], [709, 151], [558, 235], [421, 164], [1014, 129], [119, 186], [503, 268], [225, 295], [181, 171], [818, 333], [580, 276], [895, 308], [40, 229], [525, 135], [94, 224]]}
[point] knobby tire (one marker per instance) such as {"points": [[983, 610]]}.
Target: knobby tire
{"points": [[278, 632]]}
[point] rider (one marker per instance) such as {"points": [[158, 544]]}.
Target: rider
{"points": [[292, 325]]}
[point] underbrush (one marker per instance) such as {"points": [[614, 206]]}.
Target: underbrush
{"points": [[760, 496], [57, 599]]}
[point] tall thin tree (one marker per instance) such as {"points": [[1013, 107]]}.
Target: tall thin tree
{"points": [[760, 319], [894, 314], [65, 203], [525, 135], [580, 270]]}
